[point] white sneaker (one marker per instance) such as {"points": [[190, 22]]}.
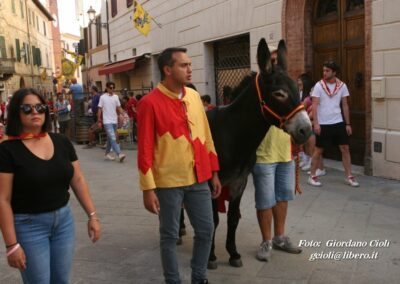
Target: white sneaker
{"points": [[264, 253], [318, 172], [307, 166], [352, 181], [121, 157], [110, 157], [313, 180]]}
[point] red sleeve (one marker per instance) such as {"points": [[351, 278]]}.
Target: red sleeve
{"points": [[146, 138]]}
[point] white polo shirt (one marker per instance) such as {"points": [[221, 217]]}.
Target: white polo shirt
{"points": [[328, 110], [109, 104]]}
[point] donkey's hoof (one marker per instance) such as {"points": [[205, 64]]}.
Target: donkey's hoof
{"points": [[212, 264], [236, 262]]}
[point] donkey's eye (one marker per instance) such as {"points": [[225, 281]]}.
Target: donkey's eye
{"points": [[280, 94]]}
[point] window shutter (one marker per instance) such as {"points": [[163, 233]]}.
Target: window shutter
{"points": [[34, 61], [114, 8], [18, 49], [3, 50], [39, 57]]}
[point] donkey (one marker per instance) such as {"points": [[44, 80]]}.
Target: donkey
{"points": [[267, 98]]}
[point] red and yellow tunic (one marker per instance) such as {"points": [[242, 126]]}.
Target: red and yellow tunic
{"points": [[175, 147]]}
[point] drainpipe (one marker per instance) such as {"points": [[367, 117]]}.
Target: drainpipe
{"points": [[29, 41]]}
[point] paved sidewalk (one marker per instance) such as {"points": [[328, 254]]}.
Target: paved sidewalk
{"points": [[128, 251]]}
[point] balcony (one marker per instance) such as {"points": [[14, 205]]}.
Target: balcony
{"points": [[7, 68]]}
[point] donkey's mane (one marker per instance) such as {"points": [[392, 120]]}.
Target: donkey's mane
{"points": [[242, 85]]}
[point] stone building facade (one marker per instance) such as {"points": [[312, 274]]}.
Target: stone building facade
{"points": [[221, 38], [26, 46]]}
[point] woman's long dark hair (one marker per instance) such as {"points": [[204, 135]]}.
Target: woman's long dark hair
{"points": [[307, 85], [14, 124]]}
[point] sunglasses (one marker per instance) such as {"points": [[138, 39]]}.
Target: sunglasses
{"points": [[27, 108], [112, 87]]}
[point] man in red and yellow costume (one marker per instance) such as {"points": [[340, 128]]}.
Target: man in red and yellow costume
{"points": [[176, 158]]}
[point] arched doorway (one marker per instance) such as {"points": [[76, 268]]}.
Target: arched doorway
{"points": [[339, 34]]}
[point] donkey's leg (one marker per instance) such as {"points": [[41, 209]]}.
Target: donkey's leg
{"points": [[233, 221], [212, 260]]}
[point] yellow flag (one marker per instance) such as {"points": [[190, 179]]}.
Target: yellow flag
{"points": [[43, 75], [141, 19]]}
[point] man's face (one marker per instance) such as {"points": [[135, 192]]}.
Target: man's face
{"points": [[181, 70], [110, 88], [328, 73]]}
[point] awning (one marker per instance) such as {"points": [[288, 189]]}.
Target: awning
{"points": [[118, 67], [122, 66]]}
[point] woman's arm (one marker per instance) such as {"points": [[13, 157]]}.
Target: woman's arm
{"points": [[81, 191], [17, 258]]}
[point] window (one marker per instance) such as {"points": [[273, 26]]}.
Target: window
{"points": [[114, 9], [327, 8], [21, 4], [3, 50], [98, 31], [44, 28], [353, 5], [115, 57], [37, 22], [129, 3], [29, 16], [13, 6]]}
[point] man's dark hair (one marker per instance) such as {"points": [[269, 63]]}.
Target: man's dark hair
{"points": [[206, 98], [14, 126], [332, 65], [109, 84], [165, 58], [94, 88]]}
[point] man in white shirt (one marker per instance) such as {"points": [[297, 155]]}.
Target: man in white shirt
{"points": [[327, 96], [107, 116]]}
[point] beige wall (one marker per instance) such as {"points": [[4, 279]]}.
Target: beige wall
{"points": [[385, 87], [194, 24], [12, 27]]}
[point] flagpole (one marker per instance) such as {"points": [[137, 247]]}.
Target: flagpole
{"points": [[158, 24]]}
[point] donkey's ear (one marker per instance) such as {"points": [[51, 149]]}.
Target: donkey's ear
{"points": [[282, 51], [263, 56]]}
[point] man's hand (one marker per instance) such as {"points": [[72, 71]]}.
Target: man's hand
{"points": [[216, 183], [150, 201], [349, 130], [317, 129]]}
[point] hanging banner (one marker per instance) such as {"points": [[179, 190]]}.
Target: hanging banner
{"points": [[141, 19]]}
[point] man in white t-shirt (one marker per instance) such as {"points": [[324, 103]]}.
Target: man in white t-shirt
{"points": [[327, 97], [107, 116]]}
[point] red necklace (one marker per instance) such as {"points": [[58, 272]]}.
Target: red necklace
{"points": [[27, 136], [328, 91]]}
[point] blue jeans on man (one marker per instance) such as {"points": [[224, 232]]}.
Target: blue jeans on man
{"points": [[111, 129], [197, 201], [48, 240]]}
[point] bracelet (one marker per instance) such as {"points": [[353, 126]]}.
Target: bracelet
{"points": [[95, 219], [14, 249], [9, 246], [92, 214]]}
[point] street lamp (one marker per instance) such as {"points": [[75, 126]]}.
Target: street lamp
{"points": [[92, 16]]}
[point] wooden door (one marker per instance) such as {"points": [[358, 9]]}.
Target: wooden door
{"points": [[338, 34]]}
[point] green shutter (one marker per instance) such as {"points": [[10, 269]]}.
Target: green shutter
{"points": [[39, 57], [3, 49], [18, 49], [34, 61]]}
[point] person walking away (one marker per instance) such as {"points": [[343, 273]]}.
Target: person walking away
{"points": [[63, 109], [35, 217], [176, 158]]}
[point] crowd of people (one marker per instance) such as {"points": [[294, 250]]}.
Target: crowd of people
{"points": [[168, 178]]}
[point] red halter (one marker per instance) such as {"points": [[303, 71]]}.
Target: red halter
{"points": [[263, 105]]}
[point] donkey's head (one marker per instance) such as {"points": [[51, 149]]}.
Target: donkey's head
{"points": [[279, 96]]}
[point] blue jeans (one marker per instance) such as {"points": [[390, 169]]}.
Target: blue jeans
{"points": [[197, 201], [48, 240], [111, 138], [273, 183]]}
